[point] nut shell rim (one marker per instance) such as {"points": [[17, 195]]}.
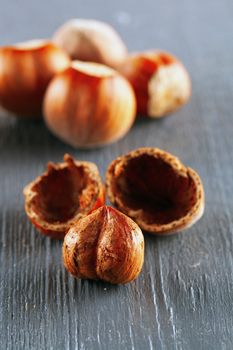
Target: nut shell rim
{"points": [[172, 227], [58, 229]]}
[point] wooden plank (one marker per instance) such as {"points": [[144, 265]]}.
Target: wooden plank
{"points": [[183, 298]]}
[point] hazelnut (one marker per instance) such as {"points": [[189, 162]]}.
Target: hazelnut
{"points": [[156, 190], [25, 71], [160, 81], [105, 245], [90, 40], [89, 105], [63, 194]]}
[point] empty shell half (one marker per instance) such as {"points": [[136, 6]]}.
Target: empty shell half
{"points": [[62, 195], [156, 190]]}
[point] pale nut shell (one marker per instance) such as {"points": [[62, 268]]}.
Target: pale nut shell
{"points": [[169, 88], [91, 40], [156, 190]]}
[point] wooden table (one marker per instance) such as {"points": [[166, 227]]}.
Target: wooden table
{"points": [[183, 298]]}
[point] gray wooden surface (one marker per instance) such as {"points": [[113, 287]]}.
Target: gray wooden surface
{"points": [[183, 298]]}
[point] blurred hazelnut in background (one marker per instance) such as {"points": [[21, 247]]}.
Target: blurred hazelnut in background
{"points": [[25, 71], [160, 81], [89, 105], [91, 40]]}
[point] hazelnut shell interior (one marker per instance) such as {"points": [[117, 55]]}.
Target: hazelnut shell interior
{"points": [[62, 195], [156, 190]]}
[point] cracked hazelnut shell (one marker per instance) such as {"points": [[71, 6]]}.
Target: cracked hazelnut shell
{"points": [[62, 195], [156, 190], [91, 40], [25, 71], [105, 245], [160, 81], [89, 105]]}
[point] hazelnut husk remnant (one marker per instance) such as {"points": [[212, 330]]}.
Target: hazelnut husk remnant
{"points": [[62, 195], [89, 105], [25, 71], [105, 245], [160, 81], [156, 190], [90, 40]]}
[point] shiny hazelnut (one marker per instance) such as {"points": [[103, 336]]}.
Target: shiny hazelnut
{"points": [[105, 245], [156, 190], [90, 40], [63, 194], [89, 105], [25, 71], [160, 81]]}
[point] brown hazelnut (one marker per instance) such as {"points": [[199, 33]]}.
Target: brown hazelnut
{"points": [[105, 245], [89, 105], [156, 190], [63, 194], [160, 81], [90, 40], [25, 71]]}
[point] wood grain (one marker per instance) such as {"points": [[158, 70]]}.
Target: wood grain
{"points": [[183, 298]]}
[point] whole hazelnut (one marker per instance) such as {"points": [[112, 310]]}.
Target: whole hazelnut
{"points": [[156, 190], [105, 245], [160, 81], [89, 105], [90, 40], [25, 71], [62, 195]]}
